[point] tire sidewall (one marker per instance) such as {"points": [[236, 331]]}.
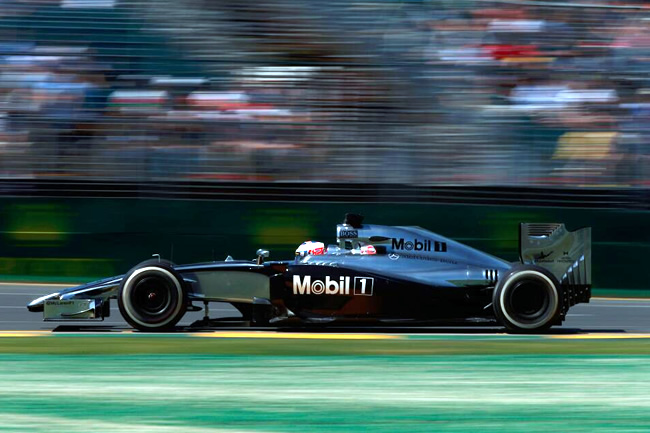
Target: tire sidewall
{"points": [[505, 285], [161, 269]]}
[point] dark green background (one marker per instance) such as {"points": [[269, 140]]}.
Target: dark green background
{"points": [[78, 239]]}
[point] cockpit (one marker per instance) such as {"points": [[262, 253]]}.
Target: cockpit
{"points": [[351, 237], [350, 240]]}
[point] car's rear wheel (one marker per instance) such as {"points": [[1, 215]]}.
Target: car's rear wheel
{"points": [[152, 296], [527, 299]]}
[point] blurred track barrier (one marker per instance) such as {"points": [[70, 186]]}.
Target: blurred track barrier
{"points": [[107, 236], [47, 269]]}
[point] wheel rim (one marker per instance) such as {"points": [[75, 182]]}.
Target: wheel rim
{"points": [[152, 297], [529, 300]]}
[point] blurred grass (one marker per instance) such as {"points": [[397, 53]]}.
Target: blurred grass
{"points": [[333, 394], [454, 345]]}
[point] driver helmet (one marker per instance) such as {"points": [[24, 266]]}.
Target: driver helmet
{"points": [[310, 248]]}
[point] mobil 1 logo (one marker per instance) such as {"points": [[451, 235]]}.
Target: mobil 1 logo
{"points": [[363, 286], [342, 285]]}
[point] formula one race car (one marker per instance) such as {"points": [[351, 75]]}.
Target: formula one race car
{"points": [[374, 275]]}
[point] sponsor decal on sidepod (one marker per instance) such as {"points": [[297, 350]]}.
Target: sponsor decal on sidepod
{"points": [[417, 245], [362, 286], [348, 234]]}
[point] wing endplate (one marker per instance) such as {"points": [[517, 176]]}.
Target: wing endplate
{"points": [[567, 254]]}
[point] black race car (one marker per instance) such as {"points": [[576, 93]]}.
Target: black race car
{"points": [[374, 274]]}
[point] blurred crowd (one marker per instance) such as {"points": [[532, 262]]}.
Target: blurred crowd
{"points": [[462, 92]]}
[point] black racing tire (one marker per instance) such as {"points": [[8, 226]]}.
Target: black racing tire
{"points": [[527, 299], [152, 296]]}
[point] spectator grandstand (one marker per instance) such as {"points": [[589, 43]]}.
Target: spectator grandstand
{"points": [[423, 92]]}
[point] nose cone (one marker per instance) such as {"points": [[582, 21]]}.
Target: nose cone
{"points": [[38, 304]]}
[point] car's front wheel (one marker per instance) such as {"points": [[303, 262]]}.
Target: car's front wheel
{"points": [[527, 299], [152, 296]]}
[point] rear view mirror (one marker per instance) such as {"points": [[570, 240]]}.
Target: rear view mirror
{"points": [[261, 255]]}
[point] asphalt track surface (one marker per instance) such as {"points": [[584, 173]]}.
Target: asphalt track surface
{"points": [[601, 315], [386, 387]]}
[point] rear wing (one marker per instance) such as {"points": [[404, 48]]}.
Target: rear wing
{"points": [[566, 254]]}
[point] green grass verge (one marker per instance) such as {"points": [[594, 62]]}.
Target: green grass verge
{"points": [[324, 394], [130, 345]]}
